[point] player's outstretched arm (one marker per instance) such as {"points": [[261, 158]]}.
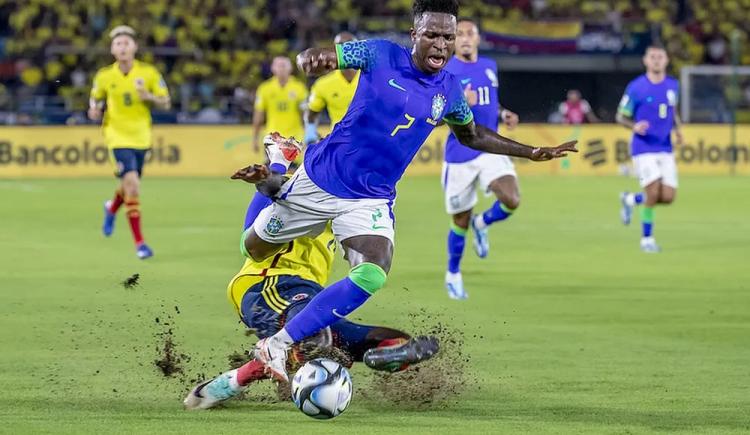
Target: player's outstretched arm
{"points": [[318, 61], [483, 139]]}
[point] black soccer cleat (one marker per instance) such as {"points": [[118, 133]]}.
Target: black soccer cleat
{"points": [[395, 358]]}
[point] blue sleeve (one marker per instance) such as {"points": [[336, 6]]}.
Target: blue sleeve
{"points": [[362, 55], [459, 112], [629, 102]]}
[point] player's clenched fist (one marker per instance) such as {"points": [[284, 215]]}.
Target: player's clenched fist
{"points": [[641, 127], [95, 113], [546, 153], [470, 95], [317, 61], [143, 93], [510, 119]]}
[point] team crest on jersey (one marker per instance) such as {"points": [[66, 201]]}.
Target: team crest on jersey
{"points": [[438, 105], [292, 95], [274, 225], [492, 76], [299, 297], [671, 97]]}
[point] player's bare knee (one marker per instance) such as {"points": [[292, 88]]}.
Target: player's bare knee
{"points": [[369, 249], [461, 219], [666, 198], [381, 258], [505, 189], [131, 184], [653, 194], [512, 201]]}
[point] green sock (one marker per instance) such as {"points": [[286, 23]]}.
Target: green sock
{"points": [[647, 220]]}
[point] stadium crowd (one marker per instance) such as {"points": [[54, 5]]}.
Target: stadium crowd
{"points": [[214, 53]]}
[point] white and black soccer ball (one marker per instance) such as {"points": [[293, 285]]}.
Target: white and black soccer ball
{"points": [[322, 389]]}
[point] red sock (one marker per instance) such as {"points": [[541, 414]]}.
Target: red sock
{"points": [[252, 371], [134, 216], [388, 342], [116, 201]]}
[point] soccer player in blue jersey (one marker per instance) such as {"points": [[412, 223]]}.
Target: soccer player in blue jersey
{"points": [[349, 177], [649, 108], [269, 293], [465, 168]]}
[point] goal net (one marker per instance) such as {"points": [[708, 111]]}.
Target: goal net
{"points": [[715, 94]]}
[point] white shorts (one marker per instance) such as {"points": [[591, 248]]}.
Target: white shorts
{"points": [[460, 180], [301, 208], [650, 167]]}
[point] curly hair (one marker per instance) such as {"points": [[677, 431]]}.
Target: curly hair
{"points": [[440, 6]]}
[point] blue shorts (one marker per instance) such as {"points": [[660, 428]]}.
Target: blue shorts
{"points": [[267, 305], [128, 159]]}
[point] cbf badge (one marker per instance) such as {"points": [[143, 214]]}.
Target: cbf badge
{"points": [[671, 97], [274, 225], [438, 105], [492, 76]]}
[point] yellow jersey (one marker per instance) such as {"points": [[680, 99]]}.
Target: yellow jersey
{"points": [[127, 120], [306, 257], [333, 92], [282, 106]]}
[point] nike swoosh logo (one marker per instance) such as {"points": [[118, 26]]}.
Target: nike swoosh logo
{"points": [[337, 314], [465, 81], [393, 83]]}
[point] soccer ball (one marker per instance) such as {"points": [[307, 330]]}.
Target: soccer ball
{"points": [[322, 389]]}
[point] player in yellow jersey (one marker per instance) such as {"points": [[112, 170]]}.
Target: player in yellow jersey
{"points": [[278, 102], [268, 293], [129, 88], [332, 92]]}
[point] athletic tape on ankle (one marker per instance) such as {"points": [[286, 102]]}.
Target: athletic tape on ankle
{"points": [[242, 242], [368, 276], [458, 230], [647, 214]]}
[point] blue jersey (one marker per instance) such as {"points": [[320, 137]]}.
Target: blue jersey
{"points": [[482, 75], [394, 109], [655, 103]]}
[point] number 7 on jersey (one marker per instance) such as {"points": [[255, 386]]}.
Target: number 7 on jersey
{"points": [[410, 121]]}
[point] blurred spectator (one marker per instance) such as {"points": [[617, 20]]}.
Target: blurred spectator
{"points": [[717, 52], [576, 110]]}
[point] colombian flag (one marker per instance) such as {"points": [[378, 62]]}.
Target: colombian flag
{"points": [[532, 36]]}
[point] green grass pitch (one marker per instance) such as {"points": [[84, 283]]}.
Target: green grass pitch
{"points": [[569, 327]]}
